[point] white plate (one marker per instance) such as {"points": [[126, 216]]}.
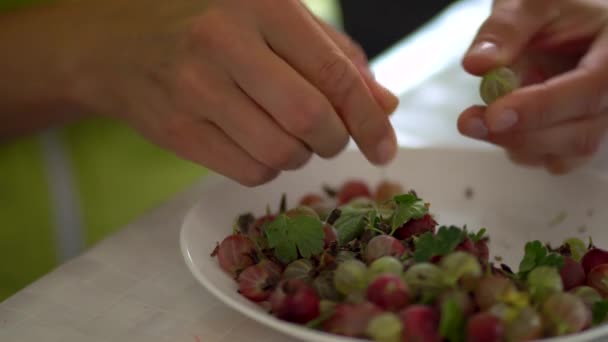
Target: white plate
{"points": [[515, 204]]}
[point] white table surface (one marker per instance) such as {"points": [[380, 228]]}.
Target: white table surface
{"points": [[134, 286]]}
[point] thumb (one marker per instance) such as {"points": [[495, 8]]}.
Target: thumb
{"points": [[504, 35]]}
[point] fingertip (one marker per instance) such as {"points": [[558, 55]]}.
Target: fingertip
{"points": [[476, 110], [524, 159], [559, 166], [471, 122], [389, 101], [258, 176], [386, 150], [482, 57]]}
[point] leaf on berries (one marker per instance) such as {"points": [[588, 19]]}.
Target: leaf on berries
{"points": [[429, 245], [537, 255], [289, 237], [409, 207]]}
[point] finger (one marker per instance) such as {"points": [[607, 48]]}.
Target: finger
{"points": [[579, 138], [526, 159], [561, 166], [257, 133], [355, 53], [505, 33], [297, 106], [238, 116], [207, 145], [326, 66], [582, 91], [471, 123]]}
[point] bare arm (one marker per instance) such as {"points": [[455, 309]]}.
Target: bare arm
{"points": [[36, 71], [246, 88]]}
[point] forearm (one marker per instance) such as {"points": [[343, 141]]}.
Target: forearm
{"points": [[36, 71]]}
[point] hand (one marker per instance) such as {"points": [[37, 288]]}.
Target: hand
{"points": [[559, 117], [245, 88]]}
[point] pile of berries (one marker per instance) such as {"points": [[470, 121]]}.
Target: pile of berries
{"points": [[376, 265]]}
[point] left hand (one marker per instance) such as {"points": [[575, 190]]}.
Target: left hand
{"points": [[559, 116]]}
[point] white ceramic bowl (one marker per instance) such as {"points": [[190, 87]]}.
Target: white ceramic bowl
{"points": [[515, 205]]}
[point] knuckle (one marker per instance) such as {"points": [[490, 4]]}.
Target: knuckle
{"points": [[189, 90], [257, 175], [210, 31], [185, 80], [306, 119], [202, 32], [337, 76]]}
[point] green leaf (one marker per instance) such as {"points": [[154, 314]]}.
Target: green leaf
{"points": [[351, 224], [553, 260], [444, 242], [424, 247], [307, 233], [532, 251], [372, 218], [408, 198], [600, 312], [288, 236], [535, 254], [480, 235], [408, 207], [276, 232], [286, 252], [452, 324]]}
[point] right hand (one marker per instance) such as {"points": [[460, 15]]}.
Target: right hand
{"points": [[558, 118], [245, 88]]}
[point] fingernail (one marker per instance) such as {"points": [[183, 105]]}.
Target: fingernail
{"points": [[505, 120], [487, 49], [475, 128], [386, 150], [388, 100]]}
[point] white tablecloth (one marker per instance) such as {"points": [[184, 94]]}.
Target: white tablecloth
{"points": [[134, 286]]}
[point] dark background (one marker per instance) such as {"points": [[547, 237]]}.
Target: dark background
{"points": [[378, 24]]}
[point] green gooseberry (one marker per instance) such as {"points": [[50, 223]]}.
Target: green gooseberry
{"points": [[498, 83]]}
